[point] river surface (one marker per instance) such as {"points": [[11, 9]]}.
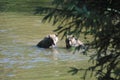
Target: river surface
{"points": [[19, 56]]}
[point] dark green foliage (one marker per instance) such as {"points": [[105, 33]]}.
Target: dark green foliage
{"points": [[101, 19], [3, 5], [73, 70], [22, 5]]}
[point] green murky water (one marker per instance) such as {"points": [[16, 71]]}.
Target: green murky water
{"points": [[20, 59]]}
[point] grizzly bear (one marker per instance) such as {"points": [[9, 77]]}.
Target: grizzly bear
{"points": [[71, 41], [48, 41]]}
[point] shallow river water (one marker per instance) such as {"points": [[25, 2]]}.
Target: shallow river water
{"points": [[20, 59]]}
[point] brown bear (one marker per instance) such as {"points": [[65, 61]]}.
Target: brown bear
{"points": [[71, 41], [48, 41]]}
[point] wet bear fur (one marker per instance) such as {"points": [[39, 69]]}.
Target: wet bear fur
{"points": [[48, 41]]}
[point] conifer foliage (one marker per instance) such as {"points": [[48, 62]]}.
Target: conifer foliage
{"points": [[99, 18]]}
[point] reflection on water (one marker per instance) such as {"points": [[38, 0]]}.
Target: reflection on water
{"points": [[33, 54], [24, 57], [18, 51], [14, 58]]}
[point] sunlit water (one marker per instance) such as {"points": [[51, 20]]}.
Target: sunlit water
{"points": [[18, 38]]}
